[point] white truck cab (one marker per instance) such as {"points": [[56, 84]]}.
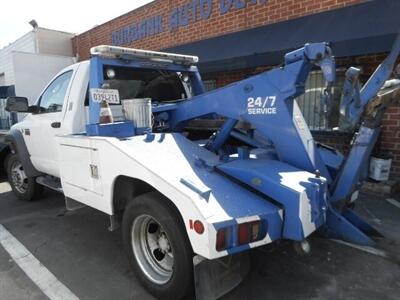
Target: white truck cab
{"points": [[61, 112]]}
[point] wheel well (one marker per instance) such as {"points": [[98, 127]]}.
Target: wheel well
{"points": [[128, 188], [16, 141], [4, 152]]}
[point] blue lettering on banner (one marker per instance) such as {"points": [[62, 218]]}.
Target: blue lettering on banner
{"points": [[205, 9], [173, 19], [138, 31], [189, 13], [193, 10], [224, 6], [239, 4], [183, 18]]}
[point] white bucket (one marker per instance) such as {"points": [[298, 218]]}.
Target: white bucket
{"points": [[379, 169], [138, 111]]}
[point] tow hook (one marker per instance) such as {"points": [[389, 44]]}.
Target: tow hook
{"points": [[302, 248]]}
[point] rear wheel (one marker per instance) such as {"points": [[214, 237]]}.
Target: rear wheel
{"points": [[24, 187], [157, 246]]}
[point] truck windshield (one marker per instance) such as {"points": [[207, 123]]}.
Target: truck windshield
{"points": [[160, 86]]}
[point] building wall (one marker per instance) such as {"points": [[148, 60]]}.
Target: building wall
{"points": [[34, 71], [54, 42], [43, 41], [25, 44], [389, 139], [236, 19]]}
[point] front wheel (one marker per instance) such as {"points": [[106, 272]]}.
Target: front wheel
{"points": [[24, 187], [157, 246]]}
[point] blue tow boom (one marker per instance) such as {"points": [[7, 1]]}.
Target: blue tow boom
{"points": [[293, 170]]}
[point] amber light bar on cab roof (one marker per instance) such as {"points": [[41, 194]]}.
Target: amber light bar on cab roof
{"points": [[130, 53]]}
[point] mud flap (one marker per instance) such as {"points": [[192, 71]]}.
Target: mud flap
{"points": [[215, 278]]}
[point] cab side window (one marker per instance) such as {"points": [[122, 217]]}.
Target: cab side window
{"points": [[52, 99]]}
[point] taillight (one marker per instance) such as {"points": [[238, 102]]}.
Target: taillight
{"points": [[249, 232], [243, 234], [238, 235], [221, 239], [256, 231]]}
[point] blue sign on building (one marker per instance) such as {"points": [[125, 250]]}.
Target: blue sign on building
{"points": [[181, 16], [137, 31]]}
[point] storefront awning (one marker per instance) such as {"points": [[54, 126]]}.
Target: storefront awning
{"points": [[361, 29]]}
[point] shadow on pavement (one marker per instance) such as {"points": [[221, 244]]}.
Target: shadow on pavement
{"points": [[79, 250], [3, 177]]}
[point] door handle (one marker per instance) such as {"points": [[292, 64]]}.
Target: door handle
{"points": [[56, 124]]}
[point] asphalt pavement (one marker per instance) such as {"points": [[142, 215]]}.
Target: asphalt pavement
{"points": [[88, 259]]}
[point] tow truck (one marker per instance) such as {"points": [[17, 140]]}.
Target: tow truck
{"points": [[190, 202]]}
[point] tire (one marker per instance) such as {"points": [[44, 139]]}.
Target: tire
{"points": [[24, 187], [152, 233]]}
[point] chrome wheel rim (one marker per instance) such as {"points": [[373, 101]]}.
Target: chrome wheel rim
{"points": [[18, 177], [152, 249]]}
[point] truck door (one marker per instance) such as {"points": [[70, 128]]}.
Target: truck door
{"points": [[44, 125]]}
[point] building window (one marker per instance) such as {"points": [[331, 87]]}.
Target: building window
{"points": [[210, 85], [311, 102]]}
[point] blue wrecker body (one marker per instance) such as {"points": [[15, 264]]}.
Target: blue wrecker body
{"points": [[293, 171]]}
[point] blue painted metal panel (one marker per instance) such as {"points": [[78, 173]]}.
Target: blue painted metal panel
{"points": [[96, 81], [356, 161], [197, 83], [338, 227], [126, 129], [271, 178], [332, 158], [118, 130], [354, 98], [222, 135], [354, 219], [267, 102]]}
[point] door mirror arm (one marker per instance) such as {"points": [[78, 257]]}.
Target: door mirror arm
{"points": [[34, 109]]}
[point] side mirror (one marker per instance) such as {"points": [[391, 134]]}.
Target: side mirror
{"points": [[17, 104]]}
